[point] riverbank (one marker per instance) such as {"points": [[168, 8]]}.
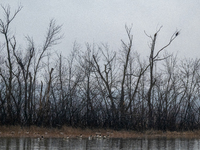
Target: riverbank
{"points": [[33, 131]]}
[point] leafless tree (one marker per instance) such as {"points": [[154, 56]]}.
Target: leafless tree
{"points": [[5, 31], [154, 57]]}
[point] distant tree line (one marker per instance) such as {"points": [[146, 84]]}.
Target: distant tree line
{"points": [[94, 86]]}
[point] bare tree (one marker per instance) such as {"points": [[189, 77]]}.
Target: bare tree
{"points": [[152, 59], [107, 76], [52, 38], [127, 49], [4, 30], [189, 76], [88, 83]]}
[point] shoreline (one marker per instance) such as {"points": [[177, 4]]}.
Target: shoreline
{"points": [[65, 131]]}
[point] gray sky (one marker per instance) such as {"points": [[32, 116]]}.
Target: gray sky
{"points": [[97, 21]]}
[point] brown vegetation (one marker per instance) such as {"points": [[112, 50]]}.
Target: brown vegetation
{"points": [[36, 132]]}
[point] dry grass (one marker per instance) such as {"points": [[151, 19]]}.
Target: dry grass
{"points": [[33, 131]]}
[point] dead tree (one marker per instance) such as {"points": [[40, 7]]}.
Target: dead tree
{"points": [[154, 57]]}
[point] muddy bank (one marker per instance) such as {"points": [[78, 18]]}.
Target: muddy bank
{"points": [[33, 131]]}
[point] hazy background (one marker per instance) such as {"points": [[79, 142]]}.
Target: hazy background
{"points": [[103, 21]]}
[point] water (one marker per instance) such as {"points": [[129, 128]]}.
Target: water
{"points": [[99, 144]]}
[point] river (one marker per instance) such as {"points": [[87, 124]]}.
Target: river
{"points": [[99, 144]]}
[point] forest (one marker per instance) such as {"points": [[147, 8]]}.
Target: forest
{"points": [[94, 86]]}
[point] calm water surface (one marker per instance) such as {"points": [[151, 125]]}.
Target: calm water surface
{"points": [[99, 144]]}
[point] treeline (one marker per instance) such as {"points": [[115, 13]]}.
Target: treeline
{"points": [[94, 86]]}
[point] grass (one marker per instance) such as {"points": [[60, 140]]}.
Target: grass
{"points": [[34, 131]]}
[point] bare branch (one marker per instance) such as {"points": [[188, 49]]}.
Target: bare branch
{"points": [[173, 37], [5, 25], [52, 36]]}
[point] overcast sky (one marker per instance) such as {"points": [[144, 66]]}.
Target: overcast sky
{"points": [[103, 21]]}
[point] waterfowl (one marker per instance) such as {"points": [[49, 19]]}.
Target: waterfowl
{"points": [[80, 136], [66, 138], [90, 137], [100, 136], [40, 138]]}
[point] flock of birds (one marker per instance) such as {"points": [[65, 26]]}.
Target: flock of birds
{"points": [[97, 136]]}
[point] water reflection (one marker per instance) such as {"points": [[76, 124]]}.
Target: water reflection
{"points": [[99, 144]]}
